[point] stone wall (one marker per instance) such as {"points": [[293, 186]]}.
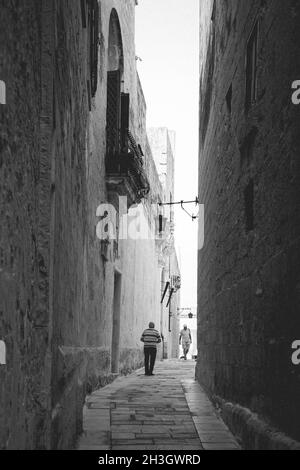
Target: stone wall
{"points": [[24, 235], [57, 288], [73, 315], [248, 294]]}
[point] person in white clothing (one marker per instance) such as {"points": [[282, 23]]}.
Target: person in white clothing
{"points": [[185, 338]]}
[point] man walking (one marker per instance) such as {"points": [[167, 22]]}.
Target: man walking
{"points": [[150, 338], [186, 339]]}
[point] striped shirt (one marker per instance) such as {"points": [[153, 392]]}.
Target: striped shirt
{"points": [[150, 338]]}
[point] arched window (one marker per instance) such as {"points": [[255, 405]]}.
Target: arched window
{"points": [[94, 42], [90, 20], [115, 44], [117, 114], [124, 157]]}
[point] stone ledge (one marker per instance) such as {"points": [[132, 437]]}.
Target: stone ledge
{"points": [[80, 371], [252, 431], [131, 359], [90, 366]]}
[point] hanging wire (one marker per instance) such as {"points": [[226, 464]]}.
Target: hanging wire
{"points": [[181, 203]]}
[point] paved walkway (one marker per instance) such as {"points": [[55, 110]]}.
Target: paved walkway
{"points": [[164, 412]]}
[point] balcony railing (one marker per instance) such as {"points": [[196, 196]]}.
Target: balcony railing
{"points": [[125, 172]]}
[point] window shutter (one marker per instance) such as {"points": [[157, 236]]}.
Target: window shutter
{"points": [[125, 103], [113, 111], [251, 68], [161, 221], [94, 32], [83, 12]]}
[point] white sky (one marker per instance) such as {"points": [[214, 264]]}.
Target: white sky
{"points": [[167, 40]]}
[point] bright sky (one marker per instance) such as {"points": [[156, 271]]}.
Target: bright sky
{"points": [[167, 41]]}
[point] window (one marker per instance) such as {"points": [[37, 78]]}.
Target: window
{"points": [[83, 12], [125, 102], [249, 205], [117, 115], [247, 148], [94, 41], [251, 68], [213, 14], [90, 20], [229, 99], [117, 110], [113, 111]]}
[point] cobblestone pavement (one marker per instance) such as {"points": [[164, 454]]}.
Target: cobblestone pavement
{"points": [[163, 412]]}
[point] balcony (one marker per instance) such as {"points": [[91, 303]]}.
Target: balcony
{"points": [[125, 172], [175, 282]]}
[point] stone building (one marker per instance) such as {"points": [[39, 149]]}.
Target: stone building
{"points": [[249, 179], [79, 278], [162, 143]]}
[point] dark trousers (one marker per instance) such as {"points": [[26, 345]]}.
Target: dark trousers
{"points": [[150, 356]]}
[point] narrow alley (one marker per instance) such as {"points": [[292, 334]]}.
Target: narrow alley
{"points": [[164, 412], [149, 211]]}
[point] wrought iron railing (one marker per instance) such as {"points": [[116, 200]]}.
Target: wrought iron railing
{"points": [[126, 160]]}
